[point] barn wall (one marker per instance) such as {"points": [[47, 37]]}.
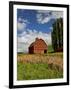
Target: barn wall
{"points": [[38, 47], [31, 50], [39, 51]]}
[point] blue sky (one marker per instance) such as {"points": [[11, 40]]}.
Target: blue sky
{"points": [[34, 23], [30, 15]]}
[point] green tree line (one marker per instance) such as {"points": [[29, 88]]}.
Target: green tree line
{"points": [[57, 35]]}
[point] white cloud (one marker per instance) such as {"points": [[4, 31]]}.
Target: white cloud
{"points": [[22, 20], [41, 19], [21, 24], [26, 39], [51, 28], [44, 16], [57, 14], [22, 47]]}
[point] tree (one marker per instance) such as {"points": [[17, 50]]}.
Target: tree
{"points": [[57, 35]]}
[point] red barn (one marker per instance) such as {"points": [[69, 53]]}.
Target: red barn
{"points": [[39, 46]]}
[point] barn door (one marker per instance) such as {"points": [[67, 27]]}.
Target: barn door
{"points": [[45, 51]]}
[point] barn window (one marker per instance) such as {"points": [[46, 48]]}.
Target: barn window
{"points": [[45, 51]]}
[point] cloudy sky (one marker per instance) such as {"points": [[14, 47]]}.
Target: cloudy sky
{"points": [[32, 24]]}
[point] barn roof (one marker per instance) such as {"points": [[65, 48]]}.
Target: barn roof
{"points": [[32, 44]]}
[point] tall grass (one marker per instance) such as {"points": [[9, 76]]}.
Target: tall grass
{"points": [[32, 67], [29, 71]]}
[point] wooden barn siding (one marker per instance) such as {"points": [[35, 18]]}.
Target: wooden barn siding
{"points": [[39, 51], [38, 47]]}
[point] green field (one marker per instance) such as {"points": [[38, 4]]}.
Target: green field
{"points": [[36, 66], [50, 49], [30, 71]]}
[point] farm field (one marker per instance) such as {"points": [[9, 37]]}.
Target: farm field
{"points": [[39, 66]]}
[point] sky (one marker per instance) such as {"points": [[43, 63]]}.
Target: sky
{"points": [[34, 23]]}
